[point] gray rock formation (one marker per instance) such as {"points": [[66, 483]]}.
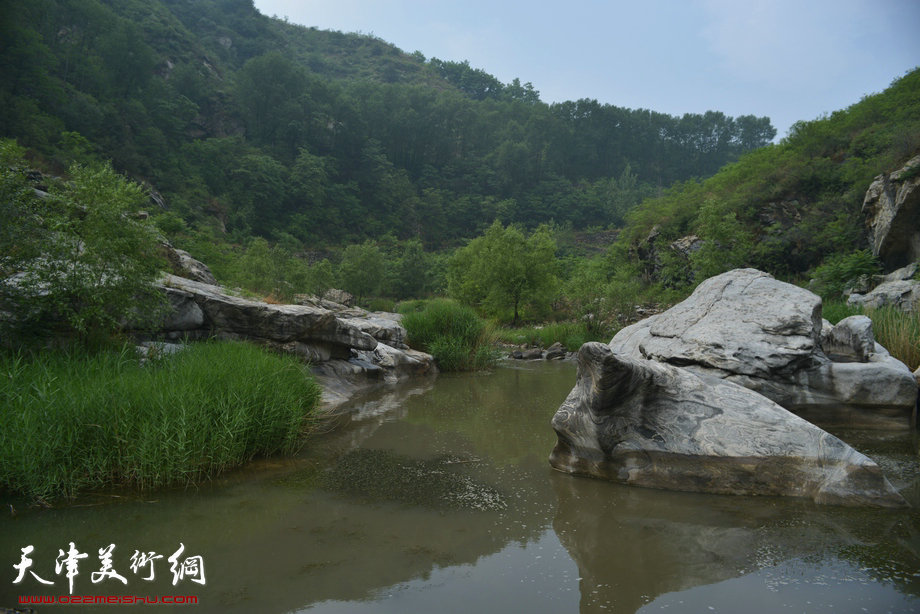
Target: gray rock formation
{"points": [[851, 339], [555, 352], [339, 296], [892, 210], [903, 294], [651, 424], [748, 328], [687, 246], [184, 265], [351, 345]]}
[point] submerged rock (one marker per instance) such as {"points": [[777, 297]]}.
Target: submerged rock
{"points": [[381, 475], [651, 424]]}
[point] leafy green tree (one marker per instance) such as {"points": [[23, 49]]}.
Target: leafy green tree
{"points": [[258, 185], [270, 88], [78, 259], [504, 270], [411, 271], [727, 242], [362, 269]]}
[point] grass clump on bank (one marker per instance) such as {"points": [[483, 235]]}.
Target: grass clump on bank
{"points": [[74, 421], [570, 334], [896, 330], [454, 334]]}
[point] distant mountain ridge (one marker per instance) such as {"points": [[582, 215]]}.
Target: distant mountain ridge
{"points": [[249, 125]]}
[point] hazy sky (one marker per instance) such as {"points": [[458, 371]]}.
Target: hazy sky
{"points": [[786, 59]]}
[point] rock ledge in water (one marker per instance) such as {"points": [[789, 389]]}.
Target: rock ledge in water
{"points": [[651, 424]]}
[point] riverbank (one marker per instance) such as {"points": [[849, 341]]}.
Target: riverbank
{"points": [[74, 421]]}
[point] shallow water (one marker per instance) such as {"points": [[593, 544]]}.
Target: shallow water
{"points": [[439, 497]]}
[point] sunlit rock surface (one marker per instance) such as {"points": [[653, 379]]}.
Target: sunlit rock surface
{"points": [[748, 328], [651, 424]]}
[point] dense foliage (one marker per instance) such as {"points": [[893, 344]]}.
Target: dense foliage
{"points": [[454, 334], [249, 125], [785, 208], [504, 270], [74, 256], [75, 421]]}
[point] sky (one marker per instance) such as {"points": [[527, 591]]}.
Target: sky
{"points": [[789, 60]]}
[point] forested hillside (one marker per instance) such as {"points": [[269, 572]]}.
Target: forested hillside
{"points": [[251, 126], [785, 208]]}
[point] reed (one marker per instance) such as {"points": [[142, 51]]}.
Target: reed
{"points": [[896, 330], [453, 333], [74, 421], [570, 334]]}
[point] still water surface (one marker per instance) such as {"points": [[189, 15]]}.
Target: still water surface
{"points": [[438, 498]]}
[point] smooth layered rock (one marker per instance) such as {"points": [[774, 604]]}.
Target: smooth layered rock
{"points": [[743, 321], [651, 424], [851, 339], [188, 267], [903, 294], [750, 329], [349, 348], [279, 323]]}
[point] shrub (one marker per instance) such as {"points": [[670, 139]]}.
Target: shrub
{"points": [[74, 421], [79, 258], [454, 334], [832, 277]]}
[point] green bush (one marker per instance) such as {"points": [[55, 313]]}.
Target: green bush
{"points": [[77, 260], [74, 421], [454, 334], [832, 277]]}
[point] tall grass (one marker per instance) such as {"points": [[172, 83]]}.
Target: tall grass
{"points": [[899, 332], [454, 334], [570, 334], [896, 330], [74, 421]]}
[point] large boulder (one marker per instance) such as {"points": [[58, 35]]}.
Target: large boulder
{"points": [[892, 210], [748, 328], [903, 294], [651, 424], [256, 319], [349, 348]]}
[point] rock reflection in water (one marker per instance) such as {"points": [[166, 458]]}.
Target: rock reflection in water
{"points": [[634, 545]]}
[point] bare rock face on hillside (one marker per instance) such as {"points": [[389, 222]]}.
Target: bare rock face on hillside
{"points": [[648, 423], [892, 210], [746, 327], [184, 265]]}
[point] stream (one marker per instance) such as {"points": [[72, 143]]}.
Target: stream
{"points": [[437, 497]]}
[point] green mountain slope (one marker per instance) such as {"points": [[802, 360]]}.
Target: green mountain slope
{"points": [[248, 125], [784, 208]]}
